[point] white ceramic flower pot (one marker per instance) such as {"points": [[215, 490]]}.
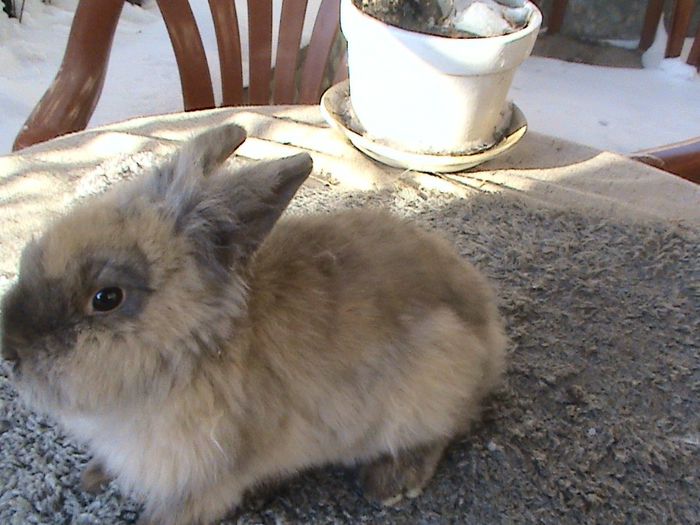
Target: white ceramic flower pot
{"points": [[431, 94]]}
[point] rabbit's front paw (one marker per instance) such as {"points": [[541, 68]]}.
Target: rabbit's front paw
{"points": [[94, 478]]}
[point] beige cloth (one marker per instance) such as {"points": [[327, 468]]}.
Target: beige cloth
{"points": [[39, 182]]}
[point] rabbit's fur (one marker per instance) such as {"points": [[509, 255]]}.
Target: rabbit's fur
{"points": [[243, 353]]}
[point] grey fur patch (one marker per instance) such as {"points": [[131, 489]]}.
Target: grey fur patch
{"points": [[228, 216], [32, 310], [42, 313]]}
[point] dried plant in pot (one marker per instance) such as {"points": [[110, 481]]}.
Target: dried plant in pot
{"points": [[422, 80]]}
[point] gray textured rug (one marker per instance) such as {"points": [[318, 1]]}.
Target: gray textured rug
{"points": [[598, 422]]}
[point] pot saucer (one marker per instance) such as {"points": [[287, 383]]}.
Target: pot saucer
{"points": [[336, 109]]}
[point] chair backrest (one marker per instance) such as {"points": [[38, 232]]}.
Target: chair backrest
{"points": [[265, 86], [70, 100]]}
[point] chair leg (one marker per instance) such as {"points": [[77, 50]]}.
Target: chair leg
{"points": [[682, 12], [556, 16], [694, 56], [651, 22]]}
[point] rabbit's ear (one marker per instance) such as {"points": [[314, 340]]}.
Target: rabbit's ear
{"points": [[177, 182], [236, 211], [201, 155], [176, 186], [264, 192]]}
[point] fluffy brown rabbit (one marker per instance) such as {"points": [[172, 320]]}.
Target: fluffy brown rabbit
{"points": [[199, 351]]}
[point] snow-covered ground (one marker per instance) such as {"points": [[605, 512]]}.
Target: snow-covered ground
{"points": [[622, 110]]}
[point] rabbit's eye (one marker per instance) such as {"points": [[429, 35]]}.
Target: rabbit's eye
{"points": [[107, 299]]}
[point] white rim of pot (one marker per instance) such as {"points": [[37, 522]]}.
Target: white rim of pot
{"points": [[534, 23], [451, 55]]}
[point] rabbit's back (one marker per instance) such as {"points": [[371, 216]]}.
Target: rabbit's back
{"points": [[374, 327], [371, 257]]}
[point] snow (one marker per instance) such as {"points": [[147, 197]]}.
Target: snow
{"points": [[621, 43], [622, 110], [488, 17], [616, 109]]}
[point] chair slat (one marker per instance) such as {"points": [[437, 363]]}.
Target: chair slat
{"points": [[197, 91], [322, 38], [682, 12], [228, 40], [290, 30], [260, 46]]}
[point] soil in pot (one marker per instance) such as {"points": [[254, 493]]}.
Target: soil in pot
{"points": [[413, 15], [453, 18]]}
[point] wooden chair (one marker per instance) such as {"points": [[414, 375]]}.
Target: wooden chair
{"points": [[70, 101]]}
